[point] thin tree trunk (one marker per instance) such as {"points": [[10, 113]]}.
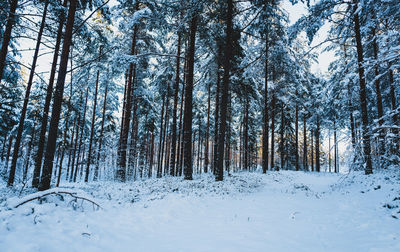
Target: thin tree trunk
{"points": [[132, 145], [335, 144], [28, 154], [379, 106], [312, 149], [10, 142], [363, 94], [151, 156], [282, 143], [329, 151], [246, 135], [160, 143], [96, 171], [175, 110], [318, 163], [122, 148], [82, 127], [7, 36], [273, 134], [71, 144], [17, 142], [266, 119], [188, 112], [297, 134], [216, 116], [92, 125], [206, 151], [225, 91], [305, 166]]}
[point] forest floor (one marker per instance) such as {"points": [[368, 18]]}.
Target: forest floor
{"points": [[277, 211]]}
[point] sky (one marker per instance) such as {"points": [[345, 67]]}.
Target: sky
{"points": [[325, 58]]}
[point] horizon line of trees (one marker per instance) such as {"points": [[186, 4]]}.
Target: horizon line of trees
{"points": [[157, 88]]}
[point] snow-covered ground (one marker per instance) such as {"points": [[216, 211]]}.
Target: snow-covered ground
{"points": [[278, 211]]}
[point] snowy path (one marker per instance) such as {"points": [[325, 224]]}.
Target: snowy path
{"points": [[289, 212]]}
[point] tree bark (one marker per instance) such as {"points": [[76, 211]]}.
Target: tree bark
{"points": [[363, 94], [379, 106], [160, 144], [282, 142], [206, 151], [266, 119], [175, 110], [317, 161], [188, 112], [273, 133], [305, 167], [225, 90], [297, 134], [312, 149]]}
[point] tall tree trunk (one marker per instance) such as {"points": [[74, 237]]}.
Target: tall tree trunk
{"points": [[335, 144], [188, 112], [124, 103], [225, 91], [317, 162], [71, 144], [199, 146], [92, 125], [206, 151], [46, 108], [273, 133], [27, 94], [312, 149], [78, 127], [160, 143], [7, 36], [228, 137], [329, 151], [165, 139], [96, 171], [363, 94], [297, 134], [151, 156], [379, 106], [28, 153], [266, 119], [246, 135], [282, 142], [56, 112], [4, 147], [123, 142], [10, 142], [305, 166], [393, 96], [132, 145], [82, 128], [175, 110], [216, 114], [396, 120]]}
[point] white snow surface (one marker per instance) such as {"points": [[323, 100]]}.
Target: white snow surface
{"points": [[277, 211]]}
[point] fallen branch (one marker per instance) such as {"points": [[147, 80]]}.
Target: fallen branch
{"points": [[54, 191]]}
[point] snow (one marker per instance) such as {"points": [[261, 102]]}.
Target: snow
{"points": [[277, 211]]}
